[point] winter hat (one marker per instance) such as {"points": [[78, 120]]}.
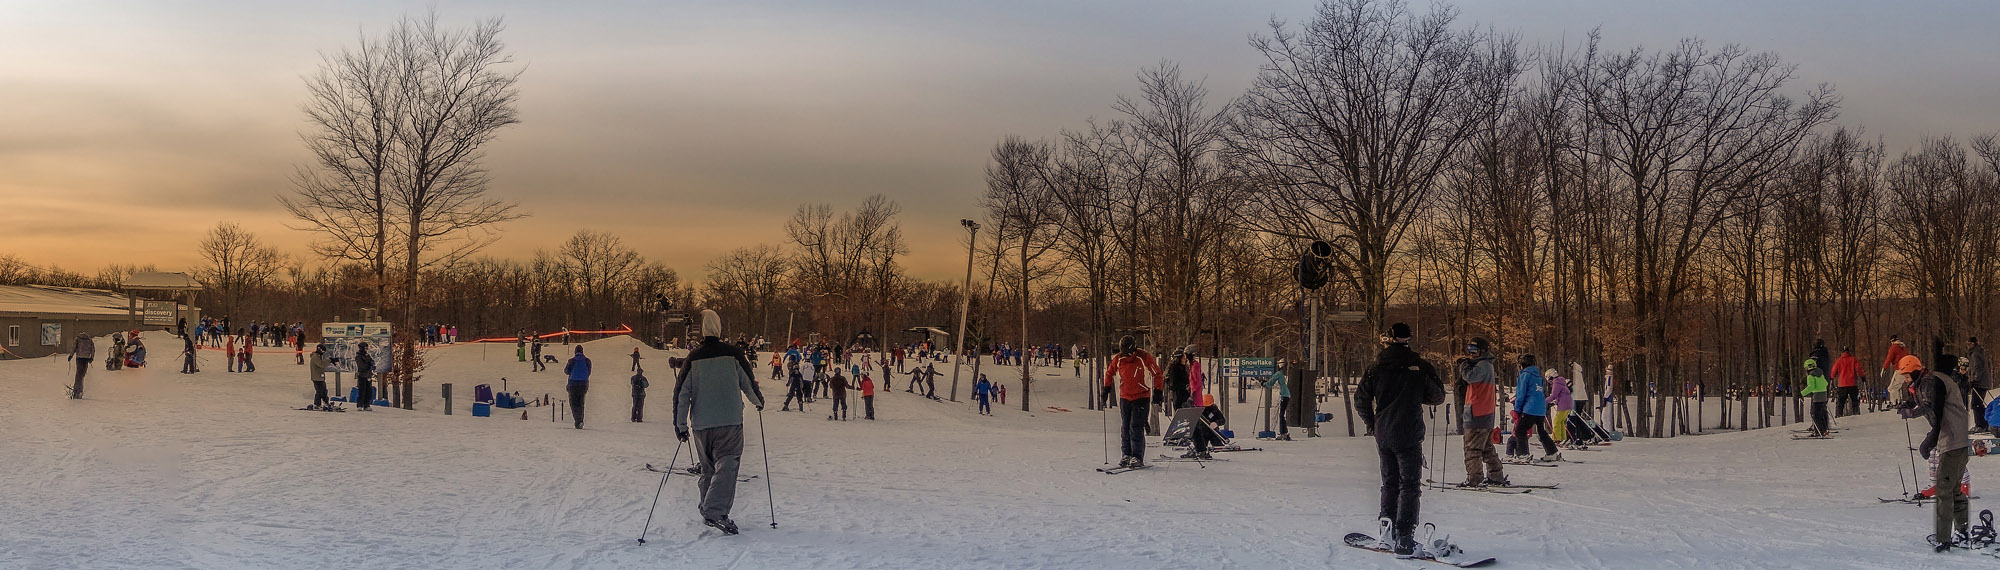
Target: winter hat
{"points": [[1909, 363], [1127, 344], [1484, 346], [1527, 359], [711, 324], [1812, 364], [579, 349], [1399, 333]]}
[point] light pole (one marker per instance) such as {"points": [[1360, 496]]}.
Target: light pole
{"points": [[964, 305]]}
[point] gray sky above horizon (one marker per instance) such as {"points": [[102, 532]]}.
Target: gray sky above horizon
{"points": [[127, 129]]}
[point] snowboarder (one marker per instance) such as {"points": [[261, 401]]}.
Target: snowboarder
{"points": [[867, 396], [1482, 463], [364, 370], [1940, 399], [1847, 397], [81, 353], [639, 385], [1136, 376], [578, 370], [317, 370], [706, 400], [1390, 398], [1816, 389], [1531, 403], [982, 391], [839, 385]]}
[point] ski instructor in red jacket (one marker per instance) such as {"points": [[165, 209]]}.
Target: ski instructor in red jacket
{"points": [[1132, 367]]}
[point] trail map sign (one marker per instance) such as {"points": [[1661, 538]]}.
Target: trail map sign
{"points": [[342, 340], [1256, 367], [161, 312]]}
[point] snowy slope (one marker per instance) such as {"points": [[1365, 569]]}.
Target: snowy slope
{"points": [[216, 470]]}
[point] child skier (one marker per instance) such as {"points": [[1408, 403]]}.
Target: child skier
{"points": [[1559, 399], [982, 391], [1816, 388], [1531, 401]]}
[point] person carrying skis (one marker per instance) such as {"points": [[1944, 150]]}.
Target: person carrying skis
{"points": [[1531, 403], [982, 392], [317, 371], [839, 384], [578, 370], [708, 399], [364, 370], [1845, 370], [1391, 398], [1135, 375], [1941, 400], [1816, 389], [81, 352], [639, 386], [867, 396], [1482, 463]]}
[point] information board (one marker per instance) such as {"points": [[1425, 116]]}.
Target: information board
{"points": [[343, 339], [161, 312]]}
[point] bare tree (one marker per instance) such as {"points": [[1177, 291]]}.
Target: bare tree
{"points": [[236, 263], [1016, 192], [750, 279], [603, 267], [355, 112]]}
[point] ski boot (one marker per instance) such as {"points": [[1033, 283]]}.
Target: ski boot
{"points": [[1556, 457], [722, 524], [1500, 481]]}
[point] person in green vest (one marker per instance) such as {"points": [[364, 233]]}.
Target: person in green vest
{"points": [[1816, 388]]}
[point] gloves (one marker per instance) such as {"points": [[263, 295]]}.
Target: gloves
{"points": [[1925, 450], [681, 434], [1105, 395], [760, 407]]}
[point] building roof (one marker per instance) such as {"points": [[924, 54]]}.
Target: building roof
{"points": [[160, 280], [46, 299]]}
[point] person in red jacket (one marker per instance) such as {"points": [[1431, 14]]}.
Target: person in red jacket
{"points": [[1896, 354], [1132, 368], [867, 396], [1847, 398]]}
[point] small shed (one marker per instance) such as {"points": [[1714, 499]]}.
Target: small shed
{"points": [[39, 320]]}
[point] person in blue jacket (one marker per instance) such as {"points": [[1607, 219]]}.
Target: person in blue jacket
{"points": [[1531, 403], [983, 391], [578, 369]]}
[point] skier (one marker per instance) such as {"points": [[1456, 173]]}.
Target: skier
{"points": [[535, 355], [187, 355], [1482, 463], [1940, 399], [1177, 381], [867, 396], [1847, 397], [635, 359], [1816, 388], [578, 369], [930, 381], [1390, 398], [317, 371], [1560, 400], [1277, 381], [1531, 404], [1979, 379], [81, 353], [248, 365], [706, 399], [1204, 434], [639, 385], [1891, 373], [982, 391], [1132, 367], [229, 353], [1000, 392], [795, 390], [364, 370], [839, 384]]}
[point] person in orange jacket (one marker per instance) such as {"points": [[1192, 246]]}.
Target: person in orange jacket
{"points": [[868, 396], [1896, 353], [1132, 368]]}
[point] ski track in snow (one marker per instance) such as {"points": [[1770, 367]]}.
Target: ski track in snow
{"points": [[217, 470]]}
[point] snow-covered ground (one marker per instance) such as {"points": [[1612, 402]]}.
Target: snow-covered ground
{"points": [[156, 469]]}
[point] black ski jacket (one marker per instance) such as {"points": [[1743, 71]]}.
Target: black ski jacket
{"points": [[1393, 393]]}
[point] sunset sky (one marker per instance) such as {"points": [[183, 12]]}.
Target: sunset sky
{"points": [[127, 129]]}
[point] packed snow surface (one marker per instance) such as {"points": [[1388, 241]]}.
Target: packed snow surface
{"points": [[155, 469]]}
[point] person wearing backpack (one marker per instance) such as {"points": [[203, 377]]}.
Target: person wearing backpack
{"points": [[1390, 399], [1941, 399]]}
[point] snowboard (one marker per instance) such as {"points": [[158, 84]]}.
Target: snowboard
{"points": [[1365, 542]]}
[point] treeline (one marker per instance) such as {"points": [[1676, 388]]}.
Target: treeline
{"points": [[1689, 219]]}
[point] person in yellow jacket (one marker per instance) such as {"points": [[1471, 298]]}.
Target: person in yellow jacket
{"points": [[1816, 388]]}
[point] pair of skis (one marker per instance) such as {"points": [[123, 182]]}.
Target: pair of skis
{"points": [[1117, 470], [691, 472], [1509, 489]]}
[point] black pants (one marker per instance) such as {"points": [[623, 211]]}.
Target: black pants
{"points": [[930, 390], [537, 360], [1132, 416], [82, 366], [187, 363], [795, 393], [367, 390], [1819, 416], [1204, 436], [1402, 485], [1284, 403], [638, 407], [1518, 445], [576, 391], [840, 406], [868, 406], [985, 404], [319, 393], [1847, 401]]}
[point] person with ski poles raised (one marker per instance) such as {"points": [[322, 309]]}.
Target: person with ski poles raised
{"points": [[708, 400], [1135, 374], [1391, 398]]}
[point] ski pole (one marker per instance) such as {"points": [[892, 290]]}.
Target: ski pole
{"points": [[1104, 427], [765, 445], [656, 492], [1911, 440]]}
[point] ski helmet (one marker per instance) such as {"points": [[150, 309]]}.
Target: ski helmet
{"points": [[1526, 360], [1128, 344]]}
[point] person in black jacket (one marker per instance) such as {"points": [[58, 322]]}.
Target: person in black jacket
{"points": [[1391, 399], [364, 370], [1177, 381], [639, 385]]}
